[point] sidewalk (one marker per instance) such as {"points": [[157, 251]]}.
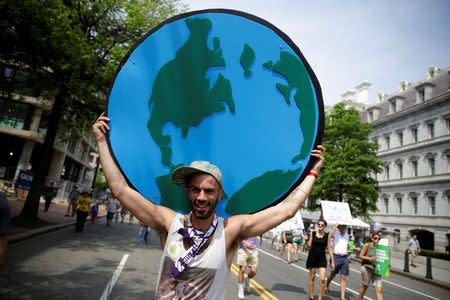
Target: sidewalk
{"points": [[55, 217], [440, 269]]}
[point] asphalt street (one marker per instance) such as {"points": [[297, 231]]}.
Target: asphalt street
{"points": [[107, 263]]}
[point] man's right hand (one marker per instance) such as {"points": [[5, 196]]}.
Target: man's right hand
{"points": [[101, 127]]}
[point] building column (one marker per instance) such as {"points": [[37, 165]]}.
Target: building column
{"points": [[24, 159], [81, 174], [28, 147], [56, 165]]}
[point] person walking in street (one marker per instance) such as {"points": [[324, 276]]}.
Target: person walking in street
{"points": [[94, 213], [111, 210], [198, 245], [143, 233], [276, 238], [287, 239], [247, 257], [73, 199], [368, 258], [84, 205], [317, 242], [339, 257], [414, 249], [297, 236], [49, 192], [123, 213]]}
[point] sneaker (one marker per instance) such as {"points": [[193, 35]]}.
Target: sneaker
{"points": [[241, 294], [247, 285]]}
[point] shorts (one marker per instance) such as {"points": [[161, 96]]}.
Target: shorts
{"points": [[110, 215], [414, 253], [247, 258], [297, 240], [368, 275], [341, 265]]}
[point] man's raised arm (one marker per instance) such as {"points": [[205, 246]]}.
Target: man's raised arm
{"points": [[263, 221], [157, 217]]}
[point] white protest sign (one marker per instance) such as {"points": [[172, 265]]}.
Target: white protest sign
{"points": [[336, 212]]}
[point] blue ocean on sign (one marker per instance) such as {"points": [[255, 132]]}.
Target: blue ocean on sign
{"points": [[219, 87]]}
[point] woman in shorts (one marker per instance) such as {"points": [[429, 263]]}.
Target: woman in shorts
{"points": [[368, 258], [287, 239]]}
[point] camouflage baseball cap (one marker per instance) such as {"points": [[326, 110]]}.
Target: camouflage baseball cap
{"points": [[196, 167]]}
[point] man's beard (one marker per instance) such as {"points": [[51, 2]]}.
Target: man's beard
{"points": [[206, 214]]}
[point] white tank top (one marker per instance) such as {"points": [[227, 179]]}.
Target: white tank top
{"points": [[204, 278]]}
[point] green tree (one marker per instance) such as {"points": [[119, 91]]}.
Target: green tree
{"points": [[71, 48], [100, 182], [351, 163]]}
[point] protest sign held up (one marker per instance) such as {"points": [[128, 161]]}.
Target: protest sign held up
{"points": [[336, 212]]}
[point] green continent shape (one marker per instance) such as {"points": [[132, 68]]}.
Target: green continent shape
{"points": [[181, 92], [296, 75], [247, 59], [261, 191], [172, 195]]}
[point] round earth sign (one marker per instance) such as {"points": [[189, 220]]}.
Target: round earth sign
{"points": [[221, 86]]}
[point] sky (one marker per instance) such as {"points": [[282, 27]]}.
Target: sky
{"points": [[346, 42]]}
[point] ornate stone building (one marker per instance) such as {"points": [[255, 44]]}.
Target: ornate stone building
{"points": [[412, 128]]}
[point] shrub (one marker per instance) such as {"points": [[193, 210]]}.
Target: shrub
{"points": [[435, 254]]}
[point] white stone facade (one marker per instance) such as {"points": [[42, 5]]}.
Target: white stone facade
{"points": [[412, 128]]}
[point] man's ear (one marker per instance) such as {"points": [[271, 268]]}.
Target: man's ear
{"points": [[221, 191]]}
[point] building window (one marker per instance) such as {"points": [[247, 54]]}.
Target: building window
{"points": [[431, 130], [393, 107], [370, 116], [432, 205], [400, 170], [386, 169], [386, 205], [399, 206], [400, 138], [414, 206], [415, 168], [388, 142], [422, 95], [415, 135], [72, 146], [432, 163]]}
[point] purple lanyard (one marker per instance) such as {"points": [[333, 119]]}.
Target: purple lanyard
{"points": [[199, 239]]}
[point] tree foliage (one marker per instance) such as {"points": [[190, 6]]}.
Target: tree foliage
{"points": [[351, 163], [70, 50]]}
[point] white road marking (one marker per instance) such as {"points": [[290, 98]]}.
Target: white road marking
{"points": [[113, 280]]}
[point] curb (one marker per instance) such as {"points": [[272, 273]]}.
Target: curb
{"points": [[35, 232], [39, 231], [433, 282]]}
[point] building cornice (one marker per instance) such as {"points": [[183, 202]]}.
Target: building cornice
{"points": [[415, 181], [410, 147], [411, 110], [38, 102]]}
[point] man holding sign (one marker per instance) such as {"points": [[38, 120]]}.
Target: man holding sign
{"points": [[183, 271]]}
